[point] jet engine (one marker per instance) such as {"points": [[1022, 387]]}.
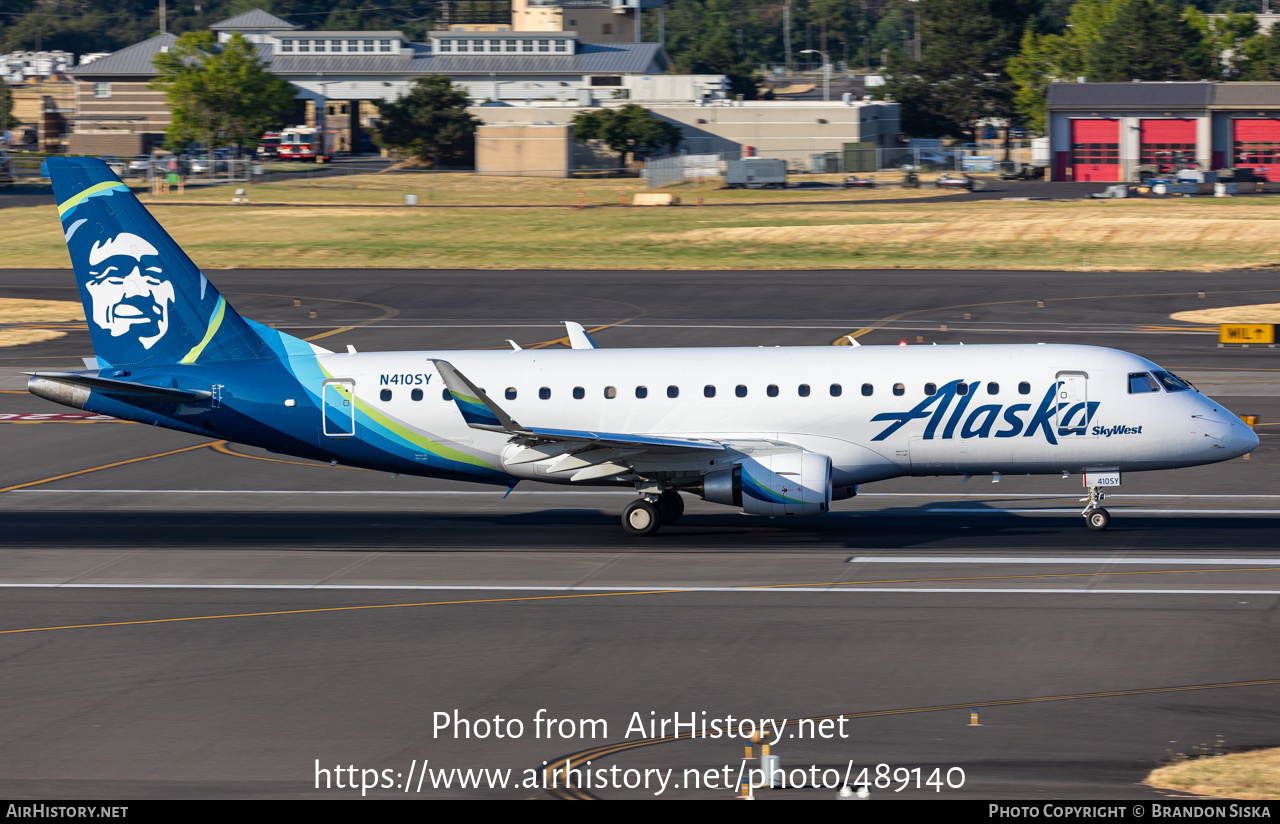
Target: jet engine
{"points": [[791, 483]]}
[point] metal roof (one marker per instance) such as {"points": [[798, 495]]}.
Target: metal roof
{"points": [[254, 20], [294, 35], [1247, 94], [592, 58], [135, 59], [1108, 95]]}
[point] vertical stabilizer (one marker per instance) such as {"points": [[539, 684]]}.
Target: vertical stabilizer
{"points": [[146, 303]]}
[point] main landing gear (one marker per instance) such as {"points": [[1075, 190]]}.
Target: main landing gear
{"points": [[644, 517], [1095, 517]]}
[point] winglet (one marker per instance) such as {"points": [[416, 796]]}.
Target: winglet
{"points": [[578, 337], [477, 410]]}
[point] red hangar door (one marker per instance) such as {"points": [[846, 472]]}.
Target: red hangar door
{"points": [[1255, 144], [1169, 145], [1095, 150]]}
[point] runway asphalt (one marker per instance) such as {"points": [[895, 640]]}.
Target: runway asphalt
{"points": [[185, 618]]}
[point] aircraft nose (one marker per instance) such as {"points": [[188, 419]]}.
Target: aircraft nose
{"points": [[1246, 439]]}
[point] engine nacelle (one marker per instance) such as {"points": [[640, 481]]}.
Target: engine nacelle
{"points": [[793, 483]]}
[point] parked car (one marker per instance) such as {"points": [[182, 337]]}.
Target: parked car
{"points": [[1018, 133], [950, 181], [139, 165], [855, 182]]}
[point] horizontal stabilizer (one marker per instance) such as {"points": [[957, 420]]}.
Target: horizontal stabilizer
{"points": [[114, 386], [578, 337]]}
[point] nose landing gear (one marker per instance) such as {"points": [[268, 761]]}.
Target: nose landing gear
{"points": [[1095, 517]]}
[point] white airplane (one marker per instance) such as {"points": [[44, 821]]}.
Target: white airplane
{"points": [[777, 431]]}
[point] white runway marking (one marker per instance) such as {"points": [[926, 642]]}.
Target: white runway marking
{"points": [[995, 559], [754, 590]]}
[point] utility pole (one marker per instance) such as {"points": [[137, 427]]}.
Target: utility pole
{"points": [[786, 34], [915, 30]]}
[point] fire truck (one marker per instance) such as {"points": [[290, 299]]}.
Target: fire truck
{"points": [[306, 143]]}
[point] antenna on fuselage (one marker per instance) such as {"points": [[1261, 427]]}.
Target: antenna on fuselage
{"points": [[515, 346]]}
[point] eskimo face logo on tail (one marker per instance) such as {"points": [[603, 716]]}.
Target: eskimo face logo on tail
{"points": [[131, 295]]}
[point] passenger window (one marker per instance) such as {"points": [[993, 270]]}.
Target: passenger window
{"points": [[642, 391], [962, 389], [740, 391], [867, 390], [1140, 382], [772, 390], [899, 389], [579, 393], [803, 390], [708, 391], [993, 388], [386, 394], [416, 394], [445, 395], [545, 393], [836, 390], [511, 393], [673, 391], [610, 392], [931, 389], [1024, 388]]}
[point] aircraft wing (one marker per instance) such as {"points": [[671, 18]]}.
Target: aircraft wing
{"points": [[480, 412]]}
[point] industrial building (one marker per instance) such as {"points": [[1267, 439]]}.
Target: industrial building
{"points": [[1102, 132], [339, 75], [795, 131]]}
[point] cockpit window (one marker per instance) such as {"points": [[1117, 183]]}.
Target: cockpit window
{"points": [[1140, 382], [1171, 382]]}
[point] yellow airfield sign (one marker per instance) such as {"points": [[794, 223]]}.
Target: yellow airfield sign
{"points": [[1246, 333]]}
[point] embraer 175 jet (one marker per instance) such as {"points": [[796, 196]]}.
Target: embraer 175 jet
{"points": [[775, 431]]}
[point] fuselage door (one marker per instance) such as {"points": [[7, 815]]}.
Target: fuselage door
{"points": [[1073, 403], [339, 407]]}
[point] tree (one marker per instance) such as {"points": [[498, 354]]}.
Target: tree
{"points": [[1044, 59], [961, 78], [431, 122], [717, 55], [1150, 40], [219, 94], [626, 130], [1261, 57], [7, 120]]}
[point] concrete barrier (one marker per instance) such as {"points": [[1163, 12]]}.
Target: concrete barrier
{"points": [[654, 199]]}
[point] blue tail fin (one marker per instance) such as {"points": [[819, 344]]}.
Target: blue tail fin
{"points": [[145, 301]]}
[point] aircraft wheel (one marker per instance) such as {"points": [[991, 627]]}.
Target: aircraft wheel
{"points": [[1098, 519], [641, 518], [670, 507]]}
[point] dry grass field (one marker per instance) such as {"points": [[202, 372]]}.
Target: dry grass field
{"points": [[1249, 776], [1183, 234], [456, 189]]}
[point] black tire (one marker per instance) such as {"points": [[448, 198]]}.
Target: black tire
{"points": [[641, 518], [1098, 520], [670, 507]]}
